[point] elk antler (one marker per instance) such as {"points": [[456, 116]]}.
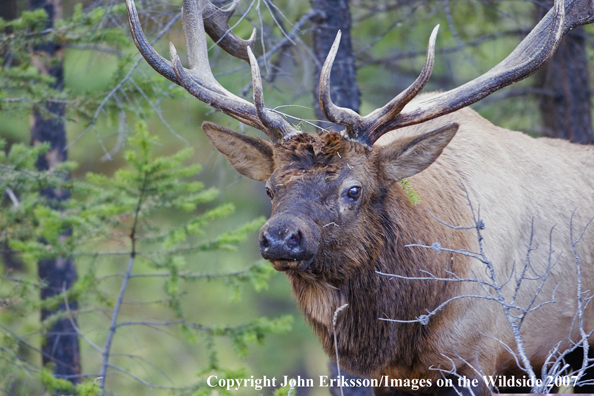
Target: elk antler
{"points": [[216, 24], [526, 59], [198, 80], [357, 127]]}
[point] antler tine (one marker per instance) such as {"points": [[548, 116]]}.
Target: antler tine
{"points": [[524, 60], [236, 107], [273, 125], [199, 80], [384, 115], [276, 126], [359, 128], [156, 61], [336, 114], [197, 49], [216, 23]]}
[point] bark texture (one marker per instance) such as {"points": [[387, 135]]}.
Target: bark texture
{"points": [[61, 344], [566, 108], [8, 9], [335, 15]]}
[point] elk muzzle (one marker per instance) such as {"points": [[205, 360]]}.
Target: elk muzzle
{"points": [[290, 243]]}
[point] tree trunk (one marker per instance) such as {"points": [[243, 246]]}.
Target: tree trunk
{"points": [[61, 345], [8, 9], [335, 15], [565, 111]]}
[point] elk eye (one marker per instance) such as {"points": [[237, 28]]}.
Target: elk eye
{"points": [[354, 192], [269, 193]]}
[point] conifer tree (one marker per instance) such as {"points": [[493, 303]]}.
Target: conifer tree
{"points": [[114, 222]]}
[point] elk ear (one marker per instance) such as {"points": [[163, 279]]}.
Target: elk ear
{"points": [[252, 157], [404, 159]]}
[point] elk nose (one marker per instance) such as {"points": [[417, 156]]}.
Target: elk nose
{"points": [[281, 243], [284, 241]]}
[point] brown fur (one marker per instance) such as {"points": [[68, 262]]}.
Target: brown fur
{"points": [[526, 190]]}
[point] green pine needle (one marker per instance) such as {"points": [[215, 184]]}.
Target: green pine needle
{"points": [[411, 193]]}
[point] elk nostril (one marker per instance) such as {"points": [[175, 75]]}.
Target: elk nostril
{"points": [[264, 242], [294, 240]]}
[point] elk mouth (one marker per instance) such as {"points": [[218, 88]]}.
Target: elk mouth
{"points": [[292, 265]]}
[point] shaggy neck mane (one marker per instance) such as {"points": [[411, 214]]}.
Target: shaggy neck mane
{"points": [[371, 296]]}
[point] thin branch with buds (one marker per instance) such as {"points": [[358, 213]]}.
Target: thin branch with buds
{"points": [[493, 287]]}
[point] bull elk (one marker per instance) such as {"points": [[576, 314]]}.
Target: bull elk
{"points": [[339, 216]]}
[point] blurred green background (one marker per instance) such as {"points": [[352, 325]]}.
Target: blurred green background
{"points": [[390, 37]]}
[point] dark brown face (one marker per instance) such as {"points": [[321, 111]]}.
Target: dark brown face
{"points": [[317, 190], [327, 194]]}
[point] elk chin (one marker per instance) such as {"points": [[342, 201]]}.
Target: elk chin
{"points": [[292, 265]]}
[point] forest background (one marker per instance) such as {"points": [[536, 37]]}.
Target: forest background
{"points": [[129, 247]]}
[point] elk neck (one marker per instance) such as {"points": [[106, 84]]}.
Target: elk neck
{"points": [[345, 273]]}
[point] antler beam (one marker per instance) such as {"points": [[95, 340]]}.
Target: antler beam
{"points": [[525, 60], [198, 80]]}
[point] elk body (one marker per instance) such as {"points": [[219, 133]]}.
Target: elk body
{"points": [[340, 216]]}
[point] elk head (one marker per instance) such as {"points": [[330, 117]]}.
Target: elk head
{"points": [[325, 188]]}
